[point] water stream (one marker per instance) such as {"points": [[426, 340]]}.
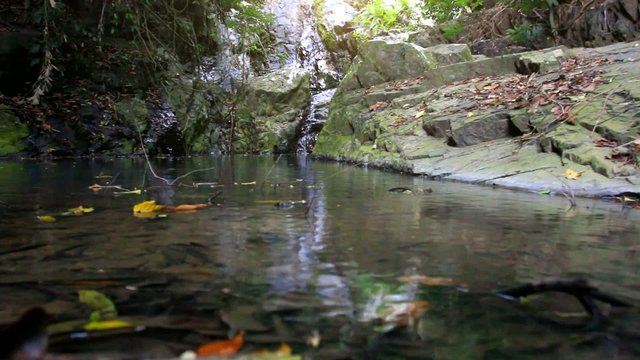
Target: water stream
{"points": [[330, 264]]}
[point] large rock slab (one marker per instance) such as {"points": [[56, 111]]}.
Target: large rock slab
{"points": [[480, 121]]}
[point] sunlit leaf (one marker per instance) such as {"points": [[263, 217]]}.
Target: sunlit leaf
{"points": [[46, 218], [428, 280], [147, 207], [132, 192], [249, 183], [572, 174], [222, 347], [80, 210], [283, 350], [187, 207], [544, 192], [102, 306], [108, 325], [470, 114], [314, 339], [419, 114], [96, 187]]}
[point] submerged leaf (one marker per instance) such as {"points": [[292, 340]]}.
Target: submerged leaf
{"points": [[187, 207], [132, 192], [403, 313], [428, 280], [222, 347], [572, 174], [80, 210], [147, 207], [108, 325], [47, 218], [104, 308]]}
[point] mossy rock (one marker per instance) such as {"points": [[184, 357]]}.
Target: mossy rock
{"points": [[13, 132], [133, 112]]}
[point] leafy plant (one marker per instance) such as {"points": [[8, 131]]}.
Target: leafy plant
{"points": [[452, 31], [377, 17], [525, 33], [444, 10]]}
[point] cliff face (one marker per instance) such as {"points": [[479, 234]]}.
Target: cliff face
{"points": [[529, 121]]}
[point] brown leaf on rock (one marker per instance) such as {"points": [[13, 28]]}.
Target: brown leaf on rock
{"points": [[602, 142], [379, 106]]}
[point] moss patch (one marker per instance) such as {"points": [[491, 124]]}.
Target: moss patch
{"points": [[12, 132]]}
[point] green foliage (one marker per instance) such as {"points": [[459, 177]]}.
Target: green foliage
{"points": [[452, 31], [445, 10], [252, 25], [525, 33], [376, 17]]}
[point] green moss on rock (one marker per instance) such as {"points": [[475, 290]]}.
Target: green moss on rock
{"points": [[13, 133]]}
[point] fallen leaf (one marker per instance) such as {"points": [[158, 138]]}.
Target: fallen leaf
{"points": [[46, 218], [428, 280], [222, 347], [283, 350], [186, 207], [404, 313], [80, 210], [146, 207], [249, 183], [314, 339], [132, 192], [572, 174], [491, 87], [470, 114], [419, 114], [96, 187], [380, 105], [108, 325]]}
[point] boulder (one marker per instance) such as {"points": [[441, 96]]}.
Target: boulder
{"points": [[427, 37], [482, 128], [270, 110], [380, 61]]}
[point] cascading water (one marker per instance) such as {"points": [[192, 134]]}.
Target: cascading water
{"points": [[313, 123]]}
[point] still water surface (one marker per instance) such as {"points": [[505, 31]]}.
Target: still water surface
{"points": [[331, 264]]}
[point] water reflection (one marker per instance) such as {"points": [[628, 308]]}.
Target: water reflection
{"points": [[330, 264]]}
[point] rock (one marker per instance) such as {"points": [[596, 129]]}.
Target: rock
{"points": [[446, 54], [437, 124], [427, 37], [270, 110], [540, 61], [13, 133], [482, 128], [381, 61], [133, 112]]}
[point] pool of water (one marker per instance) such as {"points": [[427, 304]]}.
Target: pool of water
{"points": [[335, 263]]}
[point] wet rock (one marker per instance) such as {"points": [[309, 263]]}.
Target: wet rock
{"points": [[270, 111]]}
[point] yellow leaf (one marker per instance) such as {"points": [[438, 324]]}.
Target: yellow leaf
{"points": [[284, 349], [248, 183], [80, 210], [314, 339], [108, 325], [47, 218], [572, 174], [132, 192], [419, 114], [470, 114], [146, 207]]}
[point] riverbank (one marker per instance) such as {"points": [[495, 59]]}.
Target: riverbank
{"points": [[557, 120]]}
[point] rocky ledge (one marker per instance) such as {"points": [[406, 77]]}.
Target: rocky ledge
{"points": [[556, 120]]}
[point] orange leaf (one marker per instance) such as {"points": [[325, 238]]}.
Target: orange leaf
{"points": [[187, 207], [222, 347]]}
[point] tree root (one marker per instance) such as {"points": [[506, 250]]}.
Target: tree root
{"points": [[580, 288]]}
